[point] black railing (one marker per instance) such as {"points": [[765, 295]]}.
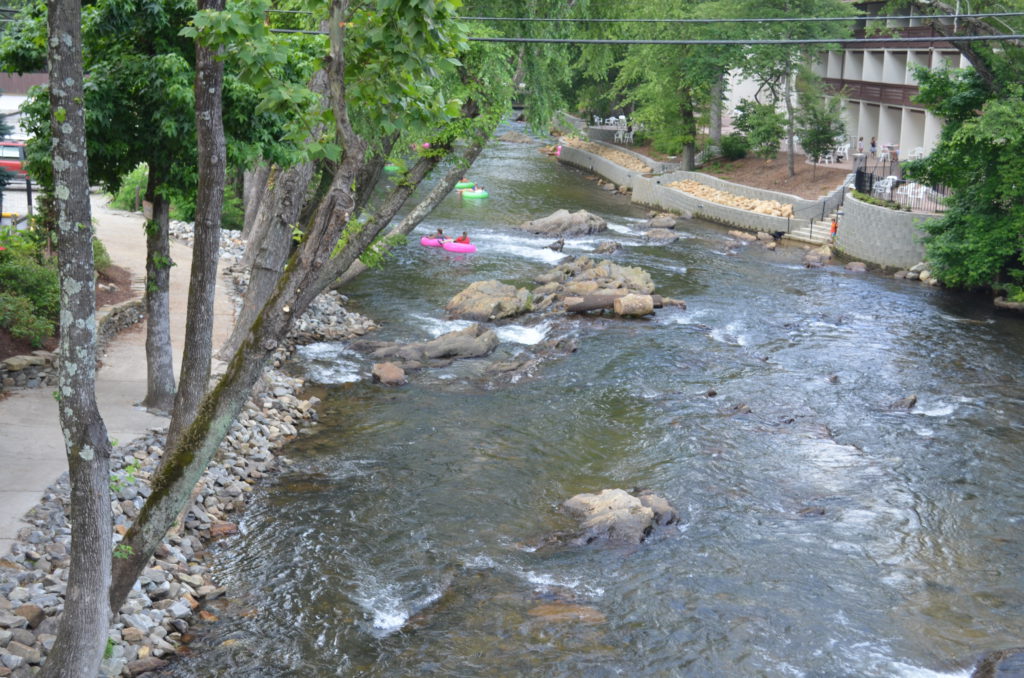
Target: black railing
{"points": [[902, 193]]}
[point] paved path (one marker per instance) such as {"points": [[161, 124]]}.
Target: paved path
{"points": [[32, 447]]}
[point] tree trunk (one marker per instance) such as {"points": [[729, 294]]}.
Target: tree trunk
{"points": [[159, 359], [438, 193], [717, 94], [634, 305], [253, 183], [689, 123], [311, 267], [212, 160], [278, 216], [791, 144], [82, 633]]}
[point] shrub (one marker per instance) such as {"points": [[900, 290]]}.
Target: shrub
{"points": [[18, 317], [133, 187], [23, 276], [100, 256], [734, 146], [872, 200]]}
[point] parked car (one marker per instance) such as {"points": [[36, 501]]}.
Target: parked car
{"points": [[12, 157]]}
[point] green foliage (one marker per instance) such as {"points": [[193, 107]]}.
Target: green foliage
{"points": [[763, 126], [819, 120], [123, 551], [734, 146], [24, 276], [100, 256], [979, 240], [132, 190], [126, 476], [879, 202], [19, 317]]}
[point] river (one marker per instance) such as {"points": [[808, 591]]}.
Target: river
{"points": [[823, 534]]}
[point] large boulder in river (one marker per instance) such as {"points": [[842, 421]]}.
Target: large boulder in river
{"points": [[489, 300], [617, 517], [472, 342], [1001, 664], [564, 223]]}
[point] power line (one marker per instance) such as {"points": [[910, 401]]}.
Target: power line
{"points": [[815, 41], [745, 20]]}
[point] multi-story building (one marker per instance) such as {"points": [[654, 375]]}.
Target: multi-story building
{"points": [[879, 84]]}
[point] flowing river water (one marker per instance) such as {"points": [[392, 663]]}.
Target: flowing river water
{"points": [[823, 534]]}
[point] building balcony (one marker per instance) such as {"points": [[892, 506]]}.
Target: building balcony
{"points": [[907, 32], [874, 92]]}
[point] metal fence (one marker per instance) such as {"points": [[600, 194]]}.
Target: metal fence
{"points": [[906, 194]]}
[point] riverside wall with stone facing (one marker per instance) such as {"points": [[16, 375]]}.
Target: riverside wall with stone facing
{"points": [[39, 368], [880, 235]]}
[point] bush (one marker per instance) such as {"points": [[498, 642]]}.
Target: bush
{"points": [[734, 146], [22, 276], [133, 188], [100, 256], [18, 317], [872, 200]]}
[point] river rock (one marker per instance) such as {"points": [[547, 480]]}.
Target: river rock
{"points": [[488, 300], [388, 374], [145, 665], [917, 268], [743, 235], [557, 245], [906, 403], [664, 513], [607, 247], [567, 612], [661, 235], [1001, 664], [471, 342], [856, 267], [33, 614], [612, 516], [515, 137], [662, 221], [565, 223]]}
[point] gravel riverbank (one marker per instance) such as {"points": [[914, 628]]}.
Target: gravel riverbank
{"points": [[167, 599]]}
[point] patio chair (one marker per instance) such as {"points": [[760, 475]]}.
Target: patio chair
{"points": [[917, 153], [842, 152], [620, 135], [883, 187]]}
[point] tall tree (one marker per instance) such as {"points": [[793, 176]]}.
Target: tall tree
{"points": [[383, 62], [819, 120], [212, 159], [83, 625], [774, 67]]}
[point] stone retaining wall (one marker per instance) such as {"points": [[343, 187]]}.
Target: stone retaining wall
{"points": [[880, 235], [652, 193], [39, 368]]}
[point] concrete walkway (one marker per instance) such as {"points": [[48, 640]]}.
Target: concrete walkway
{"points": [[32, 452]]}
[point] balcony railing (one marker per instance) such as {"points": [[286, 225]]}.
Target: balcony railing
{"points": [[875, 92]]}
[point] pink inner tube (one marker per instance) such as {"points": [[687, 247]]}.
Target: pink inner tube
{"points": [[459, 247], [430, 242]]}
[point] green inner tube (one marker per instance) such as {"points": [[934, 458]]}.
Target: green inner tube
{"points": [[474, 194], [464, 184], [392, 169]]}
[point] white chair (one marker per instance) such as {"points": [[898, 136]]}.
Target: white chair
{"points": [[842, 152], [619, 135], [597, 120], [884, 186], [628, 137], [917, 153], [611, 121]]}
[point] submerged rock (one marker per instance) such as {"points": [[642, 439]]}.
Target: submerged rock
{"points": [[471, 342], [1001, 664], [906, 403], [617, 517]]}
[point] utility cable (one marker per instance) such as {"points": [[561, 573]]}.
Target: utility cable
{"points": [[745, 20]]}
